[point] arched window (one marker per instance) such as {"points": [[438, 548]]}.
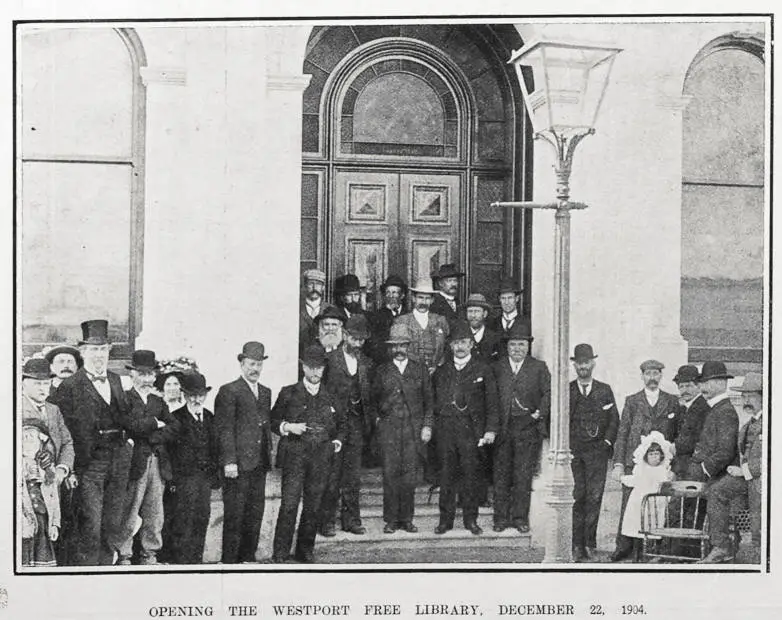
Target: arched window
{"points": [[80, 142], [722, 204]]}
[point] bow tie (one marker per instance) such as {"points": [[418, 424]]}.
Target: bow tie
{"points": [[98, 378]]}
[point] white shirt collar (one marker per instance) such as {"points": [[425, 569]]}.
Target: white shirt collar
{"points": [[461, 363], [718, 398], [351, 362], [313, 308], [652, 396], [478, 334], [450, 298], [511, 316], [688, 404], [253, 386], [588, 386], [312, 388], [401, 365], [36, 406], [421, 317], [194, 414]]}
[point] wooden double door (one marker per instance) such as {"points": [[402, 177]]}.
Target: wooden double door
{"points": [[400, 223]]}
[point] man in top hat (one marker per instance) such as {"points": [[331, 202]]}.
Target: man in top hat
{"points": [[716, 447], [152, 428], [594, 421], [64, 361], [524, 388], [509, 296], [465, 413], [347, 295], [744, 479], [403, 393], [348, 377], [649, 410], [693, 412], [313, 287], [36, 411], [330, 323], [242, 417], [394, 292], [96, 412], [194, 465], [446, 302], [311, 426]]}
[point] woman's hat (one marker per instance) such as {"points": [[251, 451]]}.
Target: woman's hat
{"points": [[143, 360], [253, 350], [160, 380]]}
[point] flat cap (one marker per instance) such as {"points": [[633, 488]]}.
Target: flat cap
{"points": [[652, 365], [314, 274]]}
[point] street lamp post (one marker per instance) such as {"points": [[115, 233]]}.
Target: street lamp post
{"points": [[569, 83]]}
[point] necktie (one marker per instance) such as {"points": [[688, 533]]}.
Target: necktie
{"points": [[98, 378], [198, 417], [584, 389]]}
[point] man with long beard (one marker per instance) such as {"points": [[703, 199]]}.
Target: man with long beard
{"points": [[330, 323]]}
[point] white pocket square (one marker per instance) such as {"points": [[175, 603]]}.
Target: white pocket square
{"points": [[478, 380], [670, 415], [607, 407]]}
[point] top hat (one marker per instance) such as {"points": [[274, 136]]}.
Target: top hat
{"points": [[357, 326], [476, 300], [582, 352], [460, 331], [65, 348], [95, 331], [36, 368], [423, 286], [347, 284], [651, 365], [507, 285], [253, 350], [143, 360], [520, 330], [393, 280], [753, 382], [331, 312], [314, 356], [686, 373], [399, 334], [713, 370], [314, 274], [448, 270], [194, 383]]}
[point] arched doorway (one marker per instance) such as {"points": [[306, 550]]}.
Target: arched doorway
{"points": [[409, 134]]}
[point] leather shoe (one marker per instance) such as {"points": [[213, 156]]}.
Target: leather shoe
{"points": [[442, 528], [580, 554], [500, 527], [389, 528], [408, 527], [717, 555], [279, 559], [305, 557], [522, 527], [328, 530], [355, 529], [621, 554], [474, 528]]}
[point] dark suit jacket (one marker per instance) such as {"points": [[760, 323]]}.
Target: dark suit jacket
{"points": [[243, 425], [691, 424], [599, 422], [637, 420], [380, 323], [308, 330], [195, 449], [147, 437], [531, 387], [338, 381], [393, 392], [473, 387], [437, 329], [489, 346], [717, 445], [80, 404], [751, 446], [494, 323], [443, 308]]}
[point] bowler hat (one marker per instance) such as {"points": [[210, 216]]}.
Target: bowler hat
{"points": [[651, 365], [95, 331], [686, 373], [713, 370], [36, 368], [393, 280], [347, 284], [64, 348], [476, 300], [460, 331], [253, 350], [331, 312], [753, 382], [143, 359], [195, 383], [314, 274], [508, 285], [520, 330], [357, 326], [314, 356], [423, 286], [582, 352], [399, 334], [448, 270]]}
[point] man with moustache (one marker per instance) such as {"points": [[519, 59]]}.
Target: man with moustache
{"points": [[394, 292], [403, 393], [694, 410], [242, 417], [151, 427], [347, 378], [524, 387], [649, 410], [465, 413], [347, 295], [64, 361], [313, 286], [594, 421], [509, 296], [96, 412], [446, 302], [310, 424], [744, 479], [330, 323], [487, 341]]}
